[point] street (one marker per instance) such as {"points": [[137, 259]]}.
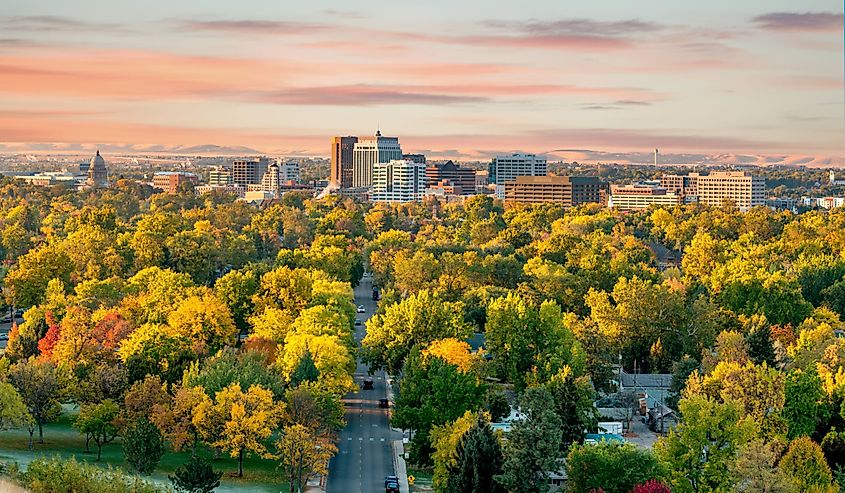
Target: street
{"points": [[364, 454]]}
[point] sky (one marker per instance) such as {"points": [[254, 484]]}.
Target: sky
{"points": [[604, 80]]}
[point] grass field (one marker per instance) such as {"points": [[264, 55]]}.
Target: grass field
{"points": [[60, 439]]}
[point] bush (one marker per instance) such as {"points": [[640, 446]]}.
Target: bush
{"points": [[143, 445], [195, 476], [56, 475]]}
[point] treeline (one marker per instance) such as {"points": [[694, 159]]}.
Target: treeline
{"points": [[743, 308]]}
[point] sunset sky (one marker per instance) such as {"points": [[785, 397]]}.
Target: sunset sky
{"points": [[600, 80]]}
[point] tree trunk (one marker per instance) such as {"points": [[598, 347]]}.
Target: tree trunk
{"points": [[241, 463], [87, 443], [99, 450], [31, 432], [40, 433]]}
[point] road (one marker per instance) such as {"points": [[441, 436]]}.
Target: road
{"points": [[364, 456]]}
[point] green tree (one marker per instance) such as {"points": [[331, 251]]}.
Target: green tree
{"points": [[229, 366], [478, 461], [805, 464], [700, 451], [41, 391], [195, 476], [533, 444], [98, 421], [612, 467], [804, 403], [143, 445], [755, 470], [574, 406], [305, 371], [13, 410]]}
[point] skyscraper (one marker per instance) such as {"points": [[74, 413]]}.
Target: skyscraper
{"points": [[398, 181], [369, 151], [342, 155], [506, 168]]}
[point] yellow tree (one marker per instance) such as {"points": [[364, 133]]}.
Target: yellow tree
{"points": [[304, 453], [205, 320], [175, 417], [240, 421], [332, 358], [454, 352]]}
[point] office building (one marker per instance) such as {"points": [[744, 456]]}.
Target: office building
{"points": [[53, 178], [249, 171], [449, 172], [174, 181], [507, 168], [416, 158], [370, 151], [640, 196], [98, 174], [738, 187], [232, 189], [343, 150], [288, 172], [482, 180], [220, 176], [398, 181], [568, 191], [686, 185], [271, 180]]}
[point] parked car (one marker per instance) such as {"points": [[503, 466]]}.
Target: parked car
{"points": [[368, 384], [383, 403], [361, 309]]}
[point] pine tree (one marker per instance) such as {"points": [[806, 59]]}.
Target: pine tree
{"points": [[305, 371], [143, 445], [195, 476], [760, 346], [479, 460]]}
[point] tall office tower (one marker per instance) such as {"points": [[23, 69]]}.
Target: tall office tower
{"points": [[219, 176], [454, 174], [249, 172], [368, 152], [98, 174], [506, 168], [398, 181], [740, 187], [342, 155]]}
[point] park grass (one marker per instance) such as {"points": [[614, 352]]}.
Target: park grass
{"points": [[423, 479], [61, 440]]}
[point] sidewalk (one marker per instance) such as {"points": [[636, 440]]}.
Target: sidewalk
{"points": [[399, 465]]}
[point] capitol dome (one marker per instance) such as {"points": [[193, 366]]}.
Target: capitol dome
{"points": [[98, 175], [98, 161]]}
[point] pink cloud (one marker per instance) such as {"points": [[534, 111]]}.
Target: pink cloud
{"points": [[796, 21]]}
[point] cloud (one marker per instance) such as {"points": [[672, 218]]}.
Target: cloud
{"points": [[249, 26], [362, 95], [54, 23], [794, 21]]}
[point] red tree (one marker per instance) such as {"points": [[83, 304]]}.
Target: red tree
{"points": [[652, 486], [48, 342], [112, 329]]}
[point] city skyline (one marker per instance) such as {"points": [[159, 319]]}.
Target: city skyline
{"points": [[608, 81]]}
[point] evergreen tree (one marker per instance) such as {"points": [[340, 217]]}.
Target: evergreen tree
{"points": [[305, 371], [760, 346], [195, 476], [479, 460], [143, 445]]}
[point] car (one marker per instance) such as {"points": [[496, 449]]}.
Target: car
{"points": [[368, 384], [357, 322], [391, 484], [6, 319], [4, 336], [361, 309], [383, 403]]}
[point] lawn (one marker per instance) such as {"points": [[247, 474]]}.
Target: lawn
{"points": [[60, 439]]}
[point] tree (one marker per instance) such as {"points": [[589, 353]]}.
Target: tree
{"points": [[244, 421], [755, 470], [229, 366], [533, 444], [28, 280], [143, 396], [612, 466], [804, 402], [175, 418], [700, 451], [206, 321], [98, 421], [195, 476], [445, 439], [574, 406], [478, 461], [418, 319], [143, 445], [805, 464], [432, 392], [236, 289], [305, 371], [13, 410], [39, 387], [651, 486], [304, 454]]}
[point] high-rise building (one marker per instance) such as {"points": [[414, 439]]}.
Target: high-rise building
{"points": [[343, 150], [271, 179], [568, 191], [686, 185], [739, 187], [507, 168], [398, 181], [249, 172], [288, 172], [174, 181], [634, 197], [98, 174], [370, 151], [453, 174], [220, 176]]}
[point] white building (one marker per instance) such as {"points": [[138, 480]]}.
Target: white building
{"points": [[219, 176], [369, 151], [739, 187], [641, 196], [507, 168], [271, 180], [398, 181], [288, 172]]}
